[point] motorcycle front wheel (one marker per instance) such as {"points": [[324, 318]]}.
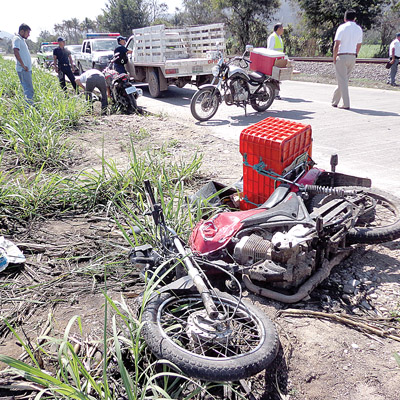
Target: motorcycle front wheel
{"points": [[204, 104], [381, 219], [264, 97], [176, 329]]}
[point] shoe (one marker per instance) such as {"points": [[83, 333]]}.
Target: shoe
{"points": [[278, 97], [334, 105], [344, 108], [394, 84]]}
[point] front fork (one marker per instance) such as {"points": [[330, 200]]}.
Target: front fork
{"points": [[198, 281]]}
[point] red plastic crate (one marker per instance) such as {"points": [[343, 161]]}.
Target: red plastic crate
{"points": [[262, 60], [277, 143]]}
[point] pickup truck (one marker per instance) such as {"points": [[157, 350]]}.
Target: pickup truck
{"points": [[45, 54], [96, 52], [167, 56]]}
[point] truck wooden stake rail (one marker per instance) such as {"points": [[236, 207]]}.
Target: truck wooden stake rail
{"points": [[163, 56]]}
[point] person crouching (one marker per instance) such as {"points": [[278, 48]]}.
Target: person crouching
{"points": [[90, 80]]}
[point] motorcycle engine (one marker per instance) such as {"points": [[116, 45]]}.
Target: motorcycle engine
{"points": [[239, 90], [285, 260]]}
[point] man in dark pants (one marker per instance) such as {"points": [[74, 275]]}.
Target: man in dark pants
{"points": [[122, 51], [63, 62], [90, 80]]}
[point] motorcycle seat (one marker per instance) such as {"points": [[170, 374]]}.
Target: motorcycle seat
{"points": [[257, 76]]}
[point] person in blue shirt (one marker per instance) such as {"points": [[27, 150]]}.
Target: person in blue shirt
{"points": [[62, 63], [24, 61], [122, 51]]}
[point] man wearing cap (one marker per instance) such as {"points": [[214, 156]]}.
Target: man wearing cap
{"points": [[122, 52], [348, 40], [62, 63], [24, 61], [394, 55]]}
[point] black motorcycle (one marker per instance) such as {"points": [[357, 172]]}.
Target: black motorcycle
{"points": [[236, 85], [123, 93]]}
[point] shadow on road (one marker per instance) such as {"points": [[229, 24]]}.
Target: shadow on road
{"points": [[374, 113], [294, 100]]}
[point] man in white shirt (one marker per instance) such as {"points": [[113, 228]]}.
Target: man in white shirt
{"points": [[90, 80], [24, 61], [348, 40], [394, 55]]}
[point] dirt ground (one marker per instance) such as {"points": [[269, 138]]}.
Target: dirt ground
{"points": [[320, 358]]}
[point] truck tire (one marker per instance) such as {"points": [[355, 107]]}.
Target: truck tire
{"points": [[154, 84]]}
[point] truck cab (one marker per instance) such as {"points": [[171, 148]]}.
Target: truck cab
{"points": [[45, 54], [97, 50]]}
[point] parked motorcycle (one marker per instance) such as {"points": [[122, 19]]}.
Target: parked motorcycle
{"points": [[287, 246], [206, 333], [123, 92], [235, 85]]}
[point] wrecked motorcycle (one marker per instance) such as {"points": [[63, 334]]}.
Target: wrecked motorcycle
{"points": [[206, 333], [287, 246]]}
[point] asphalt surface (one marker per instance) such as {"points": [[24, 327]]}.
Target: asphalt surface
{"points": [[366, 137]]}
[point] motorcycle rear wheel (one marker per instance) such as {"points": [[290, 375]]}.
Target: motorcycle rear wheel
{"points": [[132, 107], [382, 224], [265, 97], [246, 348], [204, 104]]}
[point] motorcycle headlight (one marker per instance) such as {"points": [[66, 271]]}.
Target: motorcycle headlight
{"points": [[215, 70]]}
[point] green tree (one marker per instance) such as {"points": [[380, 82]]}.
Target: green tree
{"points": [[247, 20], [124, 15], [199, 12], [323, 17]]}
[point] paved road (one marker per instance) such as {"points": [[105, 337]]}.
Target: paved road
{"points": [[366, 138]]}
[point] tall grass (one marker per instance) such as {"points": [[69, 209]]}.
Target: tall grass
{"points": [[37, 135], [125, 371]]}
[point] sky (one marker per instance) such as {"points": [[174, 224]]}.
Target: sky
{"points": [[43, 14]]}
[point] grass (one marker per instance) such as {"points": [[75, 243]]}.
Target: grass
{"points": [[369, 50], [37, 136]]}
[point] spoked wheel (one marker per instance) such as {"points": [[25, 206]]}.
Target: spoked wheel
{"points": [[380, 221], [265, 97], [178, 329], [204, 104]]}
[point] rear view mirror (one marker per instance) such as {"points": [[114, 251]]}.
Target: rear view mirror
{"points": [[249, 47]]}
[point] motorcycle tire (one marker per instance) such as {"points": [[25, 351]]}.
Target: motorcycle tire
{"points": [[261, 105], [132, 104], [204, 104], [380, 225], [250, 345]]}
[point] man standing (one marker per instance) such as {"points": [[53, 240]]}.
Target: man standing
{"points": [[348, 40], [93, 79], [24, 61], [122, 52], [275, 43], [394, 55], [63, 62]]}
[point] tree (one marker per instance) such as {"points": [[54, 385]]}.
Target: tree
{"points": [[157, 10], [247, 20], [324, 16], [199, 12], [124, 15]]}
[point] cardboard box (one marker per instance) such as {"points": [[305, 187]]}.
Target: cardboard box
{"points": [[282, 74], [281, 63]]}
